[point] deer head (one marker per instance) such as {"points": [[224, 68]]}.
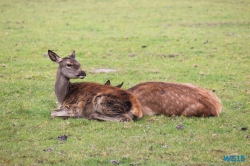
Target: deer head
{"points": [[68, 69], [68, 66]]}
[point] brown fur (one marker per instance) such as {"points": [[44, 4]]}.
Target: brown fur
{"points": [[173, 99], [85, 99]]}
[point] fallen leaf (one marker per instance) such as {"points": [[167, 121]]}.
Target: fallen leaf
{"points": [[132, 55], [246, 111], [206, 42], [201, 73], [180, 127], [114, 162], [171, 55], [151, 120], [62, 137], [49, 150], [243, 128]]}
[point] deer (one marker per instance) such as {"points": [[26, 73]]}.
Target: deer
{"points": [[174, 99], [90, 100]]}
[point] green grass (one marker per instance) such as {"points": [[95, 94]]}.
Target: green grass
{"points": [[210, 41]]}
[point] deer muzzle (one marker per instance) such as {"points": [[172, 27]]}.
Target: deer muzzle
{"points": [[81, 75]]}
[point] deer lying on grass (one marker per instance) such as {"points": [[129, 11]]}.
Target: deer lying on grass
{"points": [[90, 100], [173, 99]]}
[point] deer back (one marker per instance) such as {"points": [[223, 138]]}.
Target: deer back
{"points": [[176, 99]]}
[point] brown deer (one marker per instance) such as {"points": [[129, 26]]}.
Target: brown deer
{"points": [[173, 99], [90, 100]]}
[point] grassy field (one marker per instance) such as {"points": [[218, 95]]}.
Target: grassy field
{"points": [[200, 42]]}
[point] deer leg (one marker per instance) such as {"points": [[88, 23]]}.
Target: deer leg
{"points": [[127, 117], [63, 113], [60, 113], [97, 116], [121, 118], [112, 107]]}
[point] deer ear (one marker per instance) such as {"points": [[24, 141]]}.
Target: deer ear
{"points": [[54, 57], [107, 83], [73, 54], [120, 85]]}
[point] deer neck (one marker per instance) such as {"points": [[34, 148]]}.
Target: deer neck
{"points": [[62, 86]]}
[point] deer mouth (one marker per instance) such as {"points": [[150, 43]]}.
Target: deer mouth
{"points": [[82, 75]]}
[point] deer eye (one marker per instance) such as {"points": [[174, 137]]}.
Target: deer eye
{"points": [[69, 65]]}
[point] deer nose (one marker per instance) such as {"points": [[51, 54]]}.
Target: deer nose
{"points": [[82, 74]]}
